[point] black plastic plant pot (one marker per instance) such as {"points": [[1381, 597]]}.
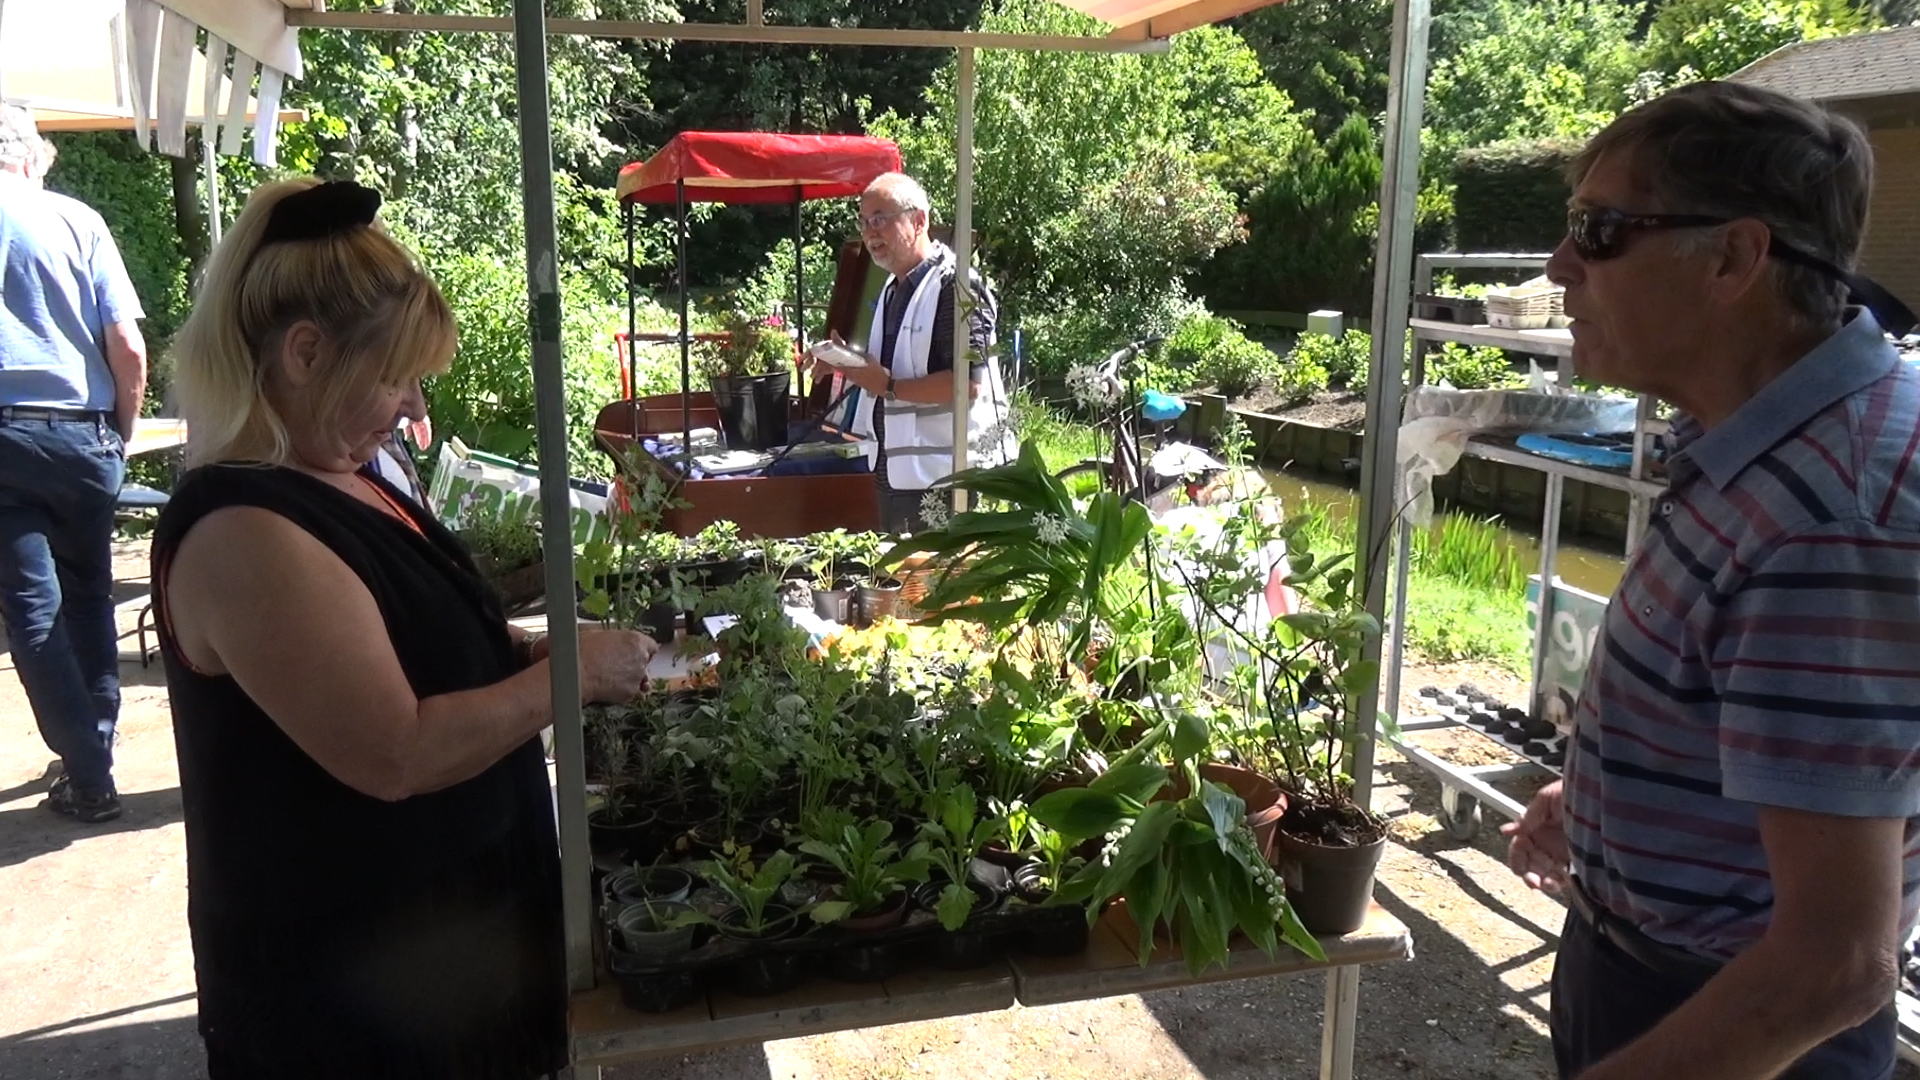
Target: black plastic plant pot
{"points": [[862, 961], [1054, 931], [766, 972], [753, 409], [962, 950], [655, 990], [628, 841], [970, 946]]}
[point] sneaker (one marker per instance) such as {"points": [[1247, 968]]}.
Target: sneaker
{"points": [[90, 809]]}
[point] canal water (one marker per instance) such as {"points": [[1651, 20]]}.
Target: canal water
{"points": [[1586, 568]]}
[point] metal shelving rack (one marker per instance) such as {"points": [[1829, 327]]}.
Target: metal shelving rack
{"points": [[1463, 789]]}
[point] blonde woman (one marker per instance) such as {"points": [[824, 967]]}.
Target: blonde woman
{"points": [[373, 884]]}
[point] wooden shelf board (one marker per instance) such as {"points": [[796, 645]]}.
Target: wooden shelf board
{"points": [[606, 1032], [1110, 967]]}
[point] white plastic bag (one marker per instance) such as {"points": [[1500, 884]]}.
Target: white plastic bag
{"points": [[1439, 422]]}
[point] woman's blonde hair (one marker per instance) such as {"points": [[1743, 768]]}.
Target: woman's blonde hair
{"points": [[381, 320]]}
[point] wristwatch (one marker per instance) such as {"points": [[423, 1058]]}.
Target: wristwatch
{"points": [[890, 395]]}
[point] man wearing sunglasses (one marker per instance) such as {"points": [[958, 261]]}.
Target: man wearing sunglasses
{"points": [[1738, 833], [906, 402]]}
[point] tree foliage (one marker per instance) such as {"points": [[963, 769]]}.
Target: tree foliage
{"points": [[1101, 180], [1712, 39], [1542, 68]]}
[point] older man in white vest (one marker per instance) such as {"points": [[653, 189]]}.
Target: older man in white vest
{"points": [[906, 403]]}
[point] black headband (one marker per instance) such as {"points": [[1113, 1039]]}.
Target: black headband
{"points": [[320, 211]]}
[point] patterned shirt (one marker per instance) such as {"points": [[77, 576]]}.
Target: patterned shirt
{"points": [[1763, 649]]}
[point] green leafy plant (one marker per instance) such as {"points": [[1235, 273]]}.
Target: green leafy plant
{"points": [[501, 543], [871, 868], [949, 840], [1190, 863], [1345, 359], [753, 345], [1040, 564], [1478, 367], [752, 889]]}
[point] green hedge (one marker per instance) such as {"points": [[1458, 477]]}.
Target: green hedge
{"points": [[1512, 196]]}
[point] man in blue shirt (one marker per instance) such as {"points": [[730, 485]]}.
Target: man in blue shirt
{"points": [[73, 372]]}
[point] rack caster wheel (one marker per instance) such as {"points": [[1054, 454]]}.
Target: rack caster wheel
{"points": [[1459, 813]]}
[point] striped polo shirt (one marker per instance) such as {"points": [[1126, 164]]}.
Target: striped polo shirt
{"points": [[1763, 649]]}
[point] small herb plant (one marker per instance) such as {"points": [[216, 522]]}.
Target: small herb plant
{"points": [[872, 867], [949, 841], [501, 544], [753, 889]]}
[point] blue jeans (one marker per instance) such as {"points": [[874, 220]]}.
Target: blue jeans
{"points": [[59, 480], [1604, 999]]}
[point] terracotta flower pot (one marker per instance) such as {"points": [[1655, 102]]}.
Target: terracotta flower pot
{"points": [[1266, 803]]}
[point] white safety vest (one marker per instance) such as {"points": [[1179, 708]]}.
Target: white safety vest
{"points": [[919, 438]]}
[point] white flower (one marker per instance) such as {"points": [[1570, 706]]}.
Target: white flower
{"points": [[1049, 528], [991, 439], [935, 509], [1092, 387]]}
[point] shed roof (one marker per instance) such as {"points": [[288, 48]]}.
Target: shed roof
{"points": [[1882, 63]]}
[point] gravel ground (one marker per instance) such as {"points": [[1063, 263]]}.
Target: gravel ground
{"points": [[96, 974]]}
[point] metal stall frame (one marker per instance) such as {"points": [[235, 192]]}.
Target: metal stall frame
{"points": [[1145, 27], [1465, 788]]}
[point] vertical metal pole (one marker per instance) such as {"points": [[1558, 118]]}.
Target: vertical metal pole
{"points": [[1639, 508], [799, 274], [1543, 616], [1393, 278], [1392, 287], [633, 323], [963, 264], [556, 518], [686, 340]]}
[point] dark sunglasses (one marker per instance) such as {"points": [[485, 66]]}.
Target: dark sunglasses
{"points": [[1599, 233]]}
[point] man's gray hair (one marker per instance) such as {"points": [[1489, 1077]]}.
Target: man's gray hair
{"points": [[1735, 151], [20, 142], [902, 192]]}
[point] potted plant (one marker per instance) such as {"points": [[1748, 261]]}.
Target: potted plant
{"points": [[621, 826], [1057, 928], [507, 553], [1295, 688], [1187, 865], [754, 916], [751, 371], [649, 960], [951, 838], [873, 895]]}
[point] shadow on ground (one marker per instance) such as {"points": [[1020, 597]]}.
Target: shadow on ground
{"points": [[30, 831], [155, 1050], [1438, 1016]]}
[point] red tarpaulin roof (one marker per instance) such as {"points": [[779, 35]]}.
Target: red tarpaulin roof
{"points": [[758, 167]]}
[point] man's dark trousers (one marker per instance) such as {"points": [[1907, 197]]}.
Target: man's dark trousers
{"points": [[60, 476], [1604, 999]]}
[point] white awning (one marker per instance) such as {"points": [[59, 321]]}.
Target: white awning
{"points": [[77, 65]]}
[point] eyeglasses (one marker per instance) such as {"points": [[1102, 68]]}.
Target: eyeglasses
{"points": [[1601, 232], [872, 222]]}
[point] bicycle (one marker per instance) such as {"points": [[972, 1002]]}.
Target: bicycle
{"points": [[1131, 470]]}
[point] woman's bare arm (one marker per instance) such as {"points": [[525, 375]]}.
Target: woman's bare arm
{"points": [[252, 595]]}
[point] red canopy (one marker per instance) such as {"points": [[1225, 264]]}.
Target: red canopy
{"points": [[758, 167]]}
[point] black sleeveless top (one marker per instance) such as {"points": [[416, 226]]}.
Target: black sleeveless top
{"points": [[334, 934]]}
